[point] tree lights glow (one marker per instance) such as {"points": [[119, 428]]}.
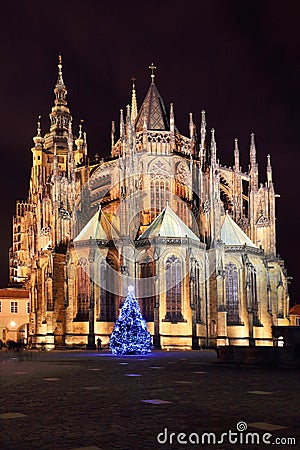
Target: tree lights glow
{"points": [[130, 335]]}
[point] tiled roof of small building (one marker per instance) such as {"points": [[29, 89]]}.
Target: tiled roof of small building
{"points": [[295, 310]]}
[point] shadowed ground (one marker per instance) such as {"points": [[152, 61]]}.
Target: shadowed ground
{"points": [[73, 400]]}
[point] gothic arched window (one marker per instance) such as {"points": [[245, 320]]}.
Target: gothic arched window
{"points": [[49, 294], [195, 281], [173, 290], [232, 294], [148, 300], [107, 297], [83, 289], [253, 294], [159, 188]]}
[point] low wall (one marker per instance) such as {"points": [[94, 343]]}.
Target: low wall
{"points": [[260, 356]]}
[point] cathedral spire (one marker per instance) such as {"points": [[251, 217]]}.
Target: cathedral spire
{"points": [[122, 125], [213, 148], [191, 126], [60, 90], [269, 171], [252, 150], [60, 114], [154, 107], [128, 128], [236, 155], [172, 119], [203, 137], [112, 134], [134, 110], [70, 165], [253, 163]]}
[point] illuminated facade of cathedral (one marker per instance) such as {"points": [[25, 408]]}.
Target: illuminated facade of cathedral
{"points": [[196, 239]]}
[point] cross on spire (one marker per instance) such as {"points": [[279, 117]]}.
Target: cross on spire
{"points": [[133, 79], [152, 67]]}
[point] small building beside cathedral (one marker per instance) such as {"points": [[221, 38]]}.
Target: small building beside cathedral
{"points": [[196, 239]]}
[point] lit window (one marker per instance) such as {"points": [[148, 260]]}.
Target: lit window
{"points": [[14, 307], [83, 281], [173, 294], [232, 294], [148, 300], [107, 298]]}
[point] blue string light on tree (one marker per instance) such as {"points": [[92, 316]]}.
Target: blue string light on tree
{"points": [[130, 335]]}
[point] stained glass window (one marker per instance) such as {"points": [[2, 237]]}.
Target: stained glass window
{"points": [[254, 300], [107, 298], [83, 286], [173, 288], [232, 294], [49, 294], [159, 195], [148, 300]]}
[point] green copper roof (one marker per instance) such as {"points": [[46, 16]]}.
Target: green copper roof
{"points": [[168, 224], [98, 227], [232, 234]]}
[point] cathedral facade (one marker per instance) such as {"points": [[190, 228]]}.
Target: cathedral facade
{"points": [[196, 239]]}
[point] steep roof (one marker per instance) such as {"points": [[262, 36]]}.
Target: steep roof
{"points": [[154, 109], [295, 310], [14, 293], [168, 224], [98, 227], [232, 234]]}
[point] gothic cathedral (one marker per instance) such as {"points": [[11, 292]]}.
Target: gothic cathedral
{"points": [[196, 239]]}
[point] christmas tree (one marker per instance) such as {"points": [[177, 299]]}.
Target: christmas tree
{"points": [[130, 335]]}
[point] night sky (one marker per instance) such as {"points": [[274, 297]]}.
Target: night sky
{"points": [[238, 60]]}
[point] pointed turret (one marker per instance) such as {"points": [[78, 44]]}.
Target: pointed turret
{"points": [[70, 162], [193, 136], [38, 139], [80, 152], [60, 115], [79, 140], [112, 133], [60, 90], [154, 108], [252, 150], [122, 125], [37, 154], [134, 110], [236, 155], [129, 133], [203, 138], [269, 171], [213, 148], [191, 126], [172, 119], [253, 163]]}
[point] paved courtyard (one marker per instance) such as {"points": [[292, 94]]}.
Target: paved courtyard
{"points": [[87, 400]]}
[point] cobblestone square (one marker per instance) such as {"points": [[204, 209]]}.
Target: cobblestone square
{"points": [[65, 400]]}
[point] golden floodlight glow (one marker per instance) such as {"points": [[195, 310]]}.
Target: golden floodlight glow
{"points": [[12, 323]]}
